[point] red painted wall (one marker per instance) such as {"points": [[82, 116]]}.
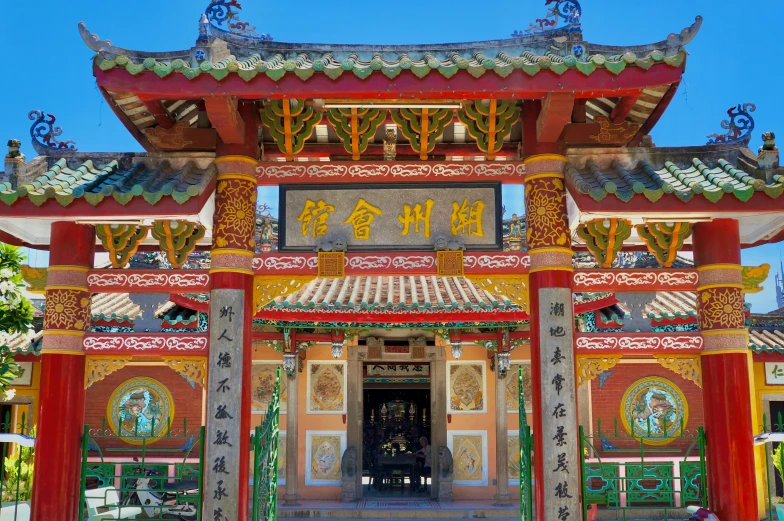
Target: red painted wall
{"points": [[187, 401], [606, 402]]}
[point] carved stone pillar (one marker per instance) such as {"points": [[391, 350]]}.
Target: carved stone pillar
{"points": [[556, 444], [292, 438], [352, 489], [227, 469], [438, 424], [501, 440]]}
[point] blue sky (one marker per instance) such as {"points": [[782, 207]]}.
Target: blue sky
{"points": [[733, 59]]}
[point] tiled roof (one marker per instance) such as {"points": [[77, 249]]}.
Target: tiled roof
{"points": [[766, 341], [708, 179], [224, 52], [118, 307], [393, 294], [25, 343], [82, 176], [667, 305]]}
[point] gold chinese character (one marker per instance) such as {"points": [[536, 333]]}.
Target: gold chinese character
{"points": [[416, 216], [315, 214], [467, 219], [361, 217]]}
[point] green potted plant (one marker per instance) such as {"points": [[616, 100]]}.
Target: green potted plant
{"points": [[778, 464]]}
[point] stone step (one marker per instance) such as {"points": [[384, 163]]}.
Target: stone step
{"points": [[399, 509]]}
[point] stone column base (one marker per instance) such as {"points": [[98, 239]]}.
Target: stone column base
{"points": [[291, 500], [502, 500]]}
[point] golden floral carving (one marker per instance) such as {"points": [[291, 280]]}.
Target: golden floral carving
{"points": [[546, 216], [35, 278], [235, 215], [192, 368], [98, 368], [589, 368], [721, 308], [687, 367], [67, 309], [267, 289], [513, 287], [754, 276]]}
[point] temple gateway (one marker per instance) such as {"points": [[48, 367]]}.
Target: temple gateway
{"points": [[321, 291]]}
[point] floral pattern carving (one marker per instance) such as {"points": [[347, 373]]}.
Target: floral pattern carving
{"points": [[235, 203], [545, 205], [67, 309], [721, 308]]}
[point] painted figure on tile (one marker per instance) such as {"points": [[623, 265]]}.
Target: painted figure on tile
{"points": [[654, 407], [140, 407]]}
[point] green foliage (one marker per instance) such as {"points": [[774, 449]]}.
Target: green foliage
{"points": [[18, 483], [778, 460], [16, 312]]}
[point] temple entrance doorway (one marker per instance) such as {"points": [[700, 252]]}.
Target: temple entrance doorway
{"points": [[396, 418]]}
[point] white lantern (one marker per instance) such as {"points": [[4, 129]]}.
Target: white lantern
{"points": [[457, 349], [289, 363], [337, 348]]}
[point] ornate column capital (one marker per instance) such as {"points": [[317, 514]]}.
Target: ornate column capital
{"points": [[549, 238], [67, 309], [233, 240]]}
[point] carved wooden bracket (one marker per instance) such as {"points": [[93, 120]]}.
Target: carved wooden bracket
{"points": [[513, 287], [589, 367], [754, 276], [267, 289], [178, 239], [664, 240], [356, 127], [556, 114], [604, 238], [422, 127], [687, 367], [99, 367], [225, 117], [489, 122], [35, 278], [121, 241], [194, 368], [291, 122], [182, 136]]}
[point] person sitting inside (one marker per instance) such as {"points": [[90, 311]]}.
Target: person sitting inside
{"points": [[423, 458]]}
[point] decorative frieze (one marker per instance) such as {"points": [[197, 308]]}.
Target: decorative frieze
{"points": [[589, 368], [152, 281], [192, 368], [399, 171], [631, 280], [687, 367], [639, 343], [143, 344]]}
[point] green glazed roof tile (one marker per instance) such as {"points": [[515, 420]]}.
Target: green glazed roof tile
{"points": [[78, 177], [685, 180]]}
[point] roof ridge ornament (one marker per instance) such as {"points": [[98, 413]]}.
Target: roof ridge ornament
{"points": [[93, 41], [44, 134], [686, 35], [738, 127], [565, 14], [226, 12]]}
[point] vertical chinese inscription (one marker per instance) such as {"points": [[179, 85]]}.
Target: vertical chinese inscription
{"points": [[221, 482], [559, 405]]}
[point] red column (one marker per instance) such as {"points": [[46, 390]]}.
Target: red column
{"points": [[732, 490], [61, 398], [551, 267], [233, 247]]}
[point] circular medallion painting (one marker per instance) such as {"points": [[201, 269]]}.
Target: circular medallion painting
{"points": [[654, 408], [140, 408]]}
